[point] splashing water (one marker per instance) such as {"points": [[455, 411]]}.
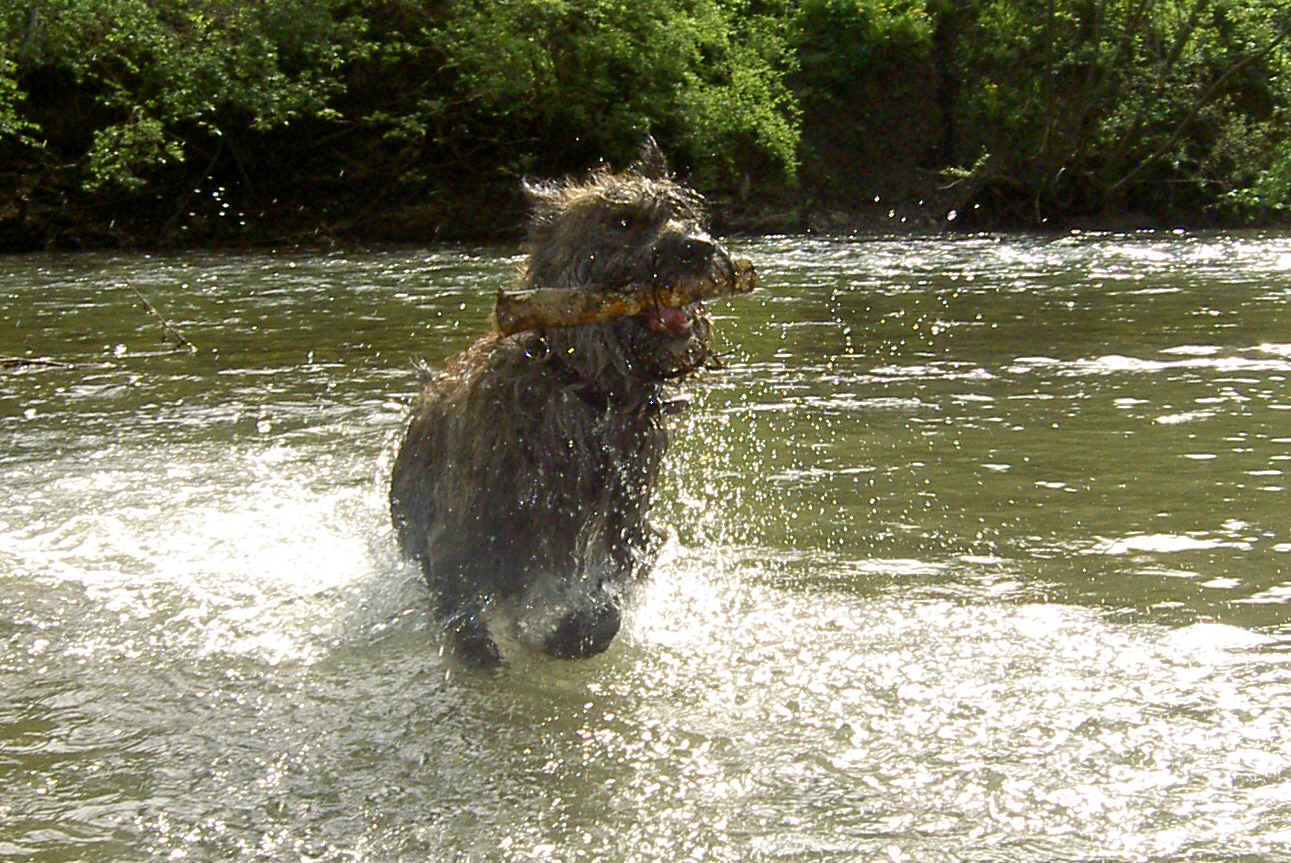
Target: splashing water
{"points": [[977, 552]]}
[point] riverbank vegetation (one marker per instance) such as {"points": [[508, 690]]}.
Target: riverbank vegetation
{"points": [[131, 122]]}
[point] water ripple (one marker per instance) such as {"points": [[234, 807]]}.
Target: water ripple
{"points": [[975, 551]]}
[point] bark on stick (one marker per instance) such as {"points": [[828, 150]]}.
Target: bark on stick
{"points": [[547, 308]]}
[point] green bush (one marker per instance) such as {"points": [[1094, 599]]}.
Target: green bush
{"points": [[1039, 110], [565, 81], [160, 78], [1089, 106]]}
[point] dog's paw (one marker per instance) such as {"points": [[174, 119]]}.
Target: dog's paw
{"points": [[585, 633], [475, 648]]}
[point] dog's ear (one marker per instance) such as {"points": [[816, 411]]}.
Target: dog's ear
{"points": [[651, 163]]}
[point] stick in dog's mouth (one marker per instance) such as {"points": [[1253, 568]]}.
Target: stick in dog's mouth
{"points": [[548, 308]]}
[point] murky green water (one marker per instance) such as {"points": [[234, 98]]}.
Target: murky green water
{"points": [[981, 551]]}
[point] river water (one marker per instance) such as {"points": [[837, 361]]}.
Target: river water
{"points": [[979, 549]]}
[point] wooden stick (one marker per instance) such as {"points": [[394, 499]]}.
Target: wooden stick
{"points": [[10, 364], [181, 341], [43, 362], [547, 308]]}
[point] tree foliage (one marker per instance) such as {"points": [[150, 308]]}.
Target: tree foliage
{"points": [[529, 83], [147, 82], [1169, 106], [203, 119]]}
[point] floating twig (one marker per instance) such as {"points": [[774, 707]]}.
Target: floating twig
{"points": [[24, 362], [10, 364], [181, 341]]}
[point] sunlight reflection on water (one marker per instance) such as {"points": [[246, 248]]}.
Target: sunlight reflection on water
{"points": [[977, 551]]}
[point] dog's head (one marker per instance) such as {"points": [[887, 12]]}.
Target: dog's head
{"points": [[636, 227]]}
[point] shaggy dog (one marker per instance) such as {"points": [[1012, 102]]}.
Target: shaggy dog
{"points": [[524, 478]]}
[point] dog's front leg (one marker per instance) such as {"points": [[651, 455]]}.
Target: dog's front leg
{"points": [[461, 612]]}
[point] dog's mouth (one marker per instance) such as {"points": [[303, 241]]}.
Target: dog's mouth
{"points": [[668, 322], [670, 341]]}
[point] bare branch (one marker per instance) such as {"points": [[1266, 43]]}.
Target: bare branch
{"points": [[181, 341]]}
